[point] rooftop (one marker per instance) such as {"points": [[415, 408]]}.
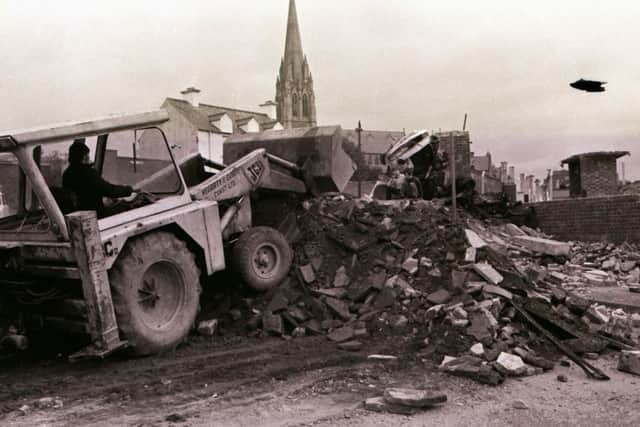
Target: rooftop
{"points": [[595, 154]]}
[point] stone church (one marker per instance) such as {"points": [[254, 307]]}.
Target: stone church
{"points": [[295, 98]]}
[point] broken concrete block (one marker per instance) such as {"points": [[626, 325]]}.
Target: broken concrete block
{"points": [[350, 346], [577, 304], [341, 279], [398, 321], [483, 325], [450, 256], [544, 246], [474, 240], [627, 266], [386, 298], [298, 314], [598, 314], [410, 265], [510, 365], [375, 404], [376, 280], [477, 350], [519, 404], [497, 290], [307, 273], [514, 230], [208, 328], [272, 324], [434, 312], [278, 302], [339, 308], [300, 331], [488, 273], [426, 262], [343, 334], [470, 255], [558, 295], [473, 368], [458, 279], [435, 272], [413, 398], [441, 296], [629, 362]]}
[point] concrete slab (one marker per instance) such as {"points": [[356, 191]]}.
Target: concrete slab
{"points": [[545, 246], [615, 297]]}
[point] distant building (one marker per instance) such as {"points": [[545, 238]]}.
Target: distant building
{"points": [[556, 185], [374, 144], [462, 148], [481, 163], [197, 127], [295, 97], [593, 174]]}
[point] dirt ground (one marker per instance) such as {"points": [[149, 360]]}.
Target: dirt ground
{"points": [[301, 382]]}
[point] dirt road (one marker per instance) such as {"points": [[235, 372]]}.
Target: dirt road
{"points": [[250, 382]]}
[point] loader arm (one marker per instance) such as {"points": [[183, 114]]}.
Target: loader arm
{"points": [[247, 174]]}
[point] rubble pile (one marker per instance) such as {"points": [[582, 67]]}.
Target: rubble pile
{"points": [[402, 268]]}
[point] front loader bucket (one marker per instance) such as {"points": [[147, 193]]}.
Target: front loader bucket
{"points": [[318, 150]]}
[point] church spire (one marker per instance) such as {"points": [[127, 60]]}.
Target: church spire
{"points": [[295, 97], [293, 46]]}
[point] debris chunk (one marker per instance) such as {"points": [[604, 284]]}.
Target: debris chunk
{"points": [[307, 273], [474, 240], [544, 246], [510, 365], [341, 279], [413, 398], [488, 273], [343, 334], [629, 361], [208, 328]]}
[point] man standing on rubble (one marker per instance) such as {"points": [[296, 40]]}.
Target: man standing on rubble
{"points": [[86, 184]]}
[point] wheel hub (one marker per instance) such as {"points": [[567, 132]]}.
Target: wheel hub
{"points": [[265, 260], [160, 294]]}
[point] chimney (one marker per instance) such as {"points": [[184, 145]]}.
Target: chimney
{"points": [[269, 108], [191, 95]]}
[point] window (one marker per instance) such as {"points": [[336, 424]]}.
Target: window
{"points": [[140, 159], [305, 106], [295, 101]]}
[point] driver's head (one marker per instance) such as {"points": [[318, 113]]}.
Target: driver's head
{"points": [[79, 153]]}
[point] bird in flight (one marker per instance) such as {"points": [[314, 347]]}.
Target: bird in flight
{"points": [[588, 85]]}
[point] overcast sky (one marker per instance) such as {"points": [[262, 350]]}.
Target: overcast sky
{"points": [[401, 64]]}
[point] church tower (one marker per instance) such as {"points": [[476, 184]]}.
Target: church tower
{"points": [[295, 99]]}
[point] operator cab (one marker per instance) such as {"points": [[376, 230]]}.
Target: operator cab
{"points": [[139, 158]]}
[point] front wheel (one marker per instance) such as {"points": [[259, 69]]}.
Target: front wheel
{"points": [[156, 292], [262, 257]]}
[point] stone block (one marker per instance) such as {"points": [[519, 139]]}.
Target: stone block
{"points": [[339, 335], [413, 398], [544, 246], [339, 308], [474, 240], [510, 365], [410, 265], [441, 296], [307, 273], [208, 327], [629, 362], [488, 273], [341, 279], [272, 324]]}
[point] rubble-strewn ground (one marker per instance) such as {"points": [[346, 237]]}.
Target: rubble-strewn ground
{"points": [[397, 279], [297, 383]]}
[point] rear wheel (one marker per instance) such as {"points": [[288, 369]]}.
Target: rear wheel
{"points": [[156, 290], [262, 257]]}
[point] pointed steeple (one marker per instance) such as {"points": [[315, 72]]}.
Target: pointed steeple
{"points": [[293, 46], [294, 86]]}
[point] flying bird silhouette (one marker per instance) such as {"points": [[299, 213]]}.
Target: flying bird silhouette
{"points": [[588, 85]]}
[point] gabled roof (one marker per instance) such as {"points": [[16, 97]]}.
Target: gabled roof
{"points": [[202, 115], [595, 154], [269, 125], [244, 121]]}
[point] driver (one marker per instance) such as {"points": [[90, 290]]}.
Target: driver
{"points": [[84, 181]]}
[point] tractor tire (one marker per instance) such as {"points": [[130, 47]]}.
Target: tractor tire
{"points": [[155, 287], [262, 257]]}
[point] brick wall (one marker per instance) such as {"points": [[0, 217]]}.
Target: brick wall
{"points": [[612, 218], [599, 176]]}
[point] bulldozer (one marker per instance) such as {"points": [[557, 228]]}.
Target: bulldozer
{"points": [[131, 278]]}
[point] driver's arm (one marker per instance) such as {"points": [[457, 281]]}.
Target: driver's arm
{"points": [[106, 189]]}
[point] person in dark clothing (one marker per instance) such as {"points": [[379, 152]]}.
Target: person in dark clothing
{"points": [[84, 181]]}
